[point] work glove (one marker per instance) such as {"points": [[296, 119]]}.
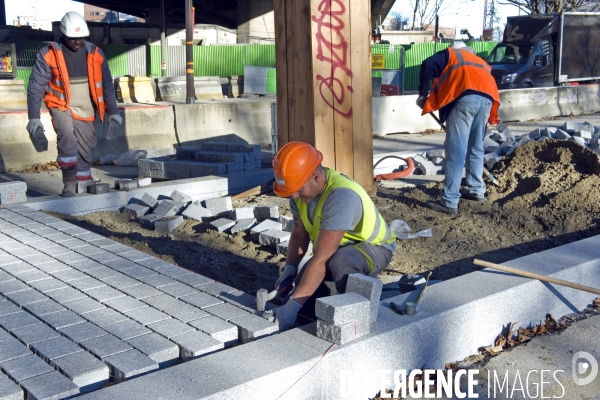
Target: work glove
{"points": [[286, 315], [36, 134], [285, 283], [114, 122], [421, 101]]}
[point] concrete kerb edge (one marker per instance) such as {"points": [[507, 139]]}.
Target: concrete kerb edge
{"points": [[457, 330]]}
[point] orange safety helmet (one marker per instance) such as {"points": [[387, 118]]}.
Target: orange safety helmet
{"points": [[292, 167]]}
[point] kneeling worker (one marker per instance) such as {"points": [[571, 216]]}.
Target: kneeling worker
{"points": [[335, 213]]}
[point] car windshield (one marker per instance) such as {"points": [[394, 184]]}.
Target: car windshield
{"points": [[510, 54]]}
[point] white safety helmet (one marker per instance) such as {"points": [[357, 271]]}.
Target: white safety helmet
{"points": [[458, 44], [73, 25]]}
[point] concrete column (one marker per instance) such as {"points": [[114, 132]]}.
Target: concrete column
{"points": [[255, 20]]}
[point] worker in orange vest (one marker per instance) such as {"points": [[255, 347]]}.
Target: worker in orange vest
{"points": [[467, 98], [73, 79]]}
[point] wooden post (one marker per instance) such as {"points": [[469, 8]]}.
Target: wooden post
{"points": [[324, 82]]}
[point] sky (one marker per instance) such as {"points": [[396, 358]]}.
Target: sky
{"points": [[461, 14], [50, 10]]}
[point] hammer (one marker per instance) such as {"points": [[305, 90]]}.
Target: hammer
{"points": [[410, 308]]}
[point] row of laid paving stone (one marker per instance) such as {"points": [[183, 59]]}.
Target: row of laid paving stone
{"points": [[84, 309]]}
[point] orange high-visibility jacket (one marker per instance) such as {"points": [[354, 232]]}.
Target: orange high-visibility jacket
{"points": [[464, 71], [50, 79]]}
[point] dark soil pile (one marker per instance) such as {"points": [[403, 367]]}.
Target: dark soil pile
{"points": [[548, 196]]}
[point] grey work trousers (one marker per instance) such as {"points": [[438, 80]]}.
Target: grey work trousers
{"points": [[76, 141], [345, 261]]}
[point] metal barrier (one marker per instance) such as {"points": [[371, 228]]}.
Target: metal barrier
{"points": [[259, 80]]}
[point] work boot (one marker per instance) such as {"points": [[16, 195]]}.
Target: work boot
{"points": [[437, 205], [465, 194], [69, 179]]}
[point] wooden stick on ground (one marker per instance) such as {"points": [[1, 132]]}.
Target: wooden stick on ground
{"points": [[536, 276]]}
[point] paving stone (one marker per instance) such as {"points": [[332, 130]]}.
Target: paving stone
{"points": [[369, 288], [105, 316], [53, 266], [119, 263], [262, 213], [217, 288], [194, 279], [169, 270], [135, 255], [219, 329], [272, 237], [342, 308], [5, 277], [180, 196], [43, 307], [9, 390], [148, 221], [287, 223], [195, 344], [128, 185], [186, 313], [141, 291], [149, 201], [18, 320], [179, 289], [25, 297], [242, 213], [105, 346], [55, 251], [168, 224], [226, 311], [127, 329], [218, 206], [11, 349], [67, 275], [343, 333], [84, 370], [61, 319], [81, 332], [201, 300], [47, 285], [74, 244], [35, 333], [163, 301], [103, 256], [221, 224], [124, 304], [23, 252], [55, 348], [196, 212], [31, 276], [143, 182], [157, 280], [170, 328], [129, 364], [25, 367], [84, 305], [104, 293], [121, 282], [18, 267], [243, 225], [282, 248], [146, 315], [70, 256], [102, 273], [239, 298], [4, 335], [165, 208], [160, 350], [65, 294], [86, 283], [263, 226], [13, 187], [138, 272], [52, 385], [252, 327]]}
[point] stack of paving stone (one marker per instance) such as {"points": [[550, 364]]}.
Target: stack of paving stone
{"points": [[502, 143], [210, 158], [79, 310], [12, 192], [343, 318]]}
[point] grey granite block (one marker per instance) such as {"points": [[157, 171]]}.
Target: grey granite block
{"points": [[218, 206], [148, 221], [272, 237], [194, 279], [170, 328], [9, 390], [163, 301], [168, 224], [195, 344], [186, 313], [5, 277], [287, 223], [179, 289], [252, 326], [82, 332], [35, 333], [11, 349], [138, 272], [121, 282], [105, 316], [104, 293], [201, 300], [239, 298], [105, 346], [119, 264], [165, 208], [17, 267], [160, 350], [103, 256], [55, 348], [52, 385], [13, 187], [86, 283], [243, 225], [61, 319], [222, 224], [242, 213], [180, 196], [53, 266], [262, 213], [282, 248], [6, 259], [25, 367], [126, 329], [25, 297], [149, 200], [124, 304], [172, 271], [84, 370], [4, 335], [74, 244], [141, 291], [217, 288], [7, 307], [262, 227], [65, 294], [43, 307], [342, 308], [31, 276], [102, 272], [47, 285], [129, 364], [226, 311], [70, 274], [69, 257], [219, 329], [369, 288], [135, 255], [343, 333], [196, 212], [18, 320], [157, 280], [146, 315]]}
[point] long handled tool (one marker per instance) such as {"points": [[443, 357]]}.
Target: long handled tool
{"points": [[536, 276], [485, 170]]}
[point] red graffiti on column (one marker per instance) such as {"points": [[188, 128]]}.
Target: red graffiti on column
{"points": [[335, 52]]}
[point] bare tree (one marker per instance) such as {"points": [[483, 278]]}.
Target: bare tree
{"points": [[397, 20], [552, 6], [425, 11]]}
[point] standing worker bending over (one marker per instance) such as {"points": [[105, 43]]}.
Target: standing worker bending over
{"points": [[336, 214], [467, 96], [73, 79]]}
